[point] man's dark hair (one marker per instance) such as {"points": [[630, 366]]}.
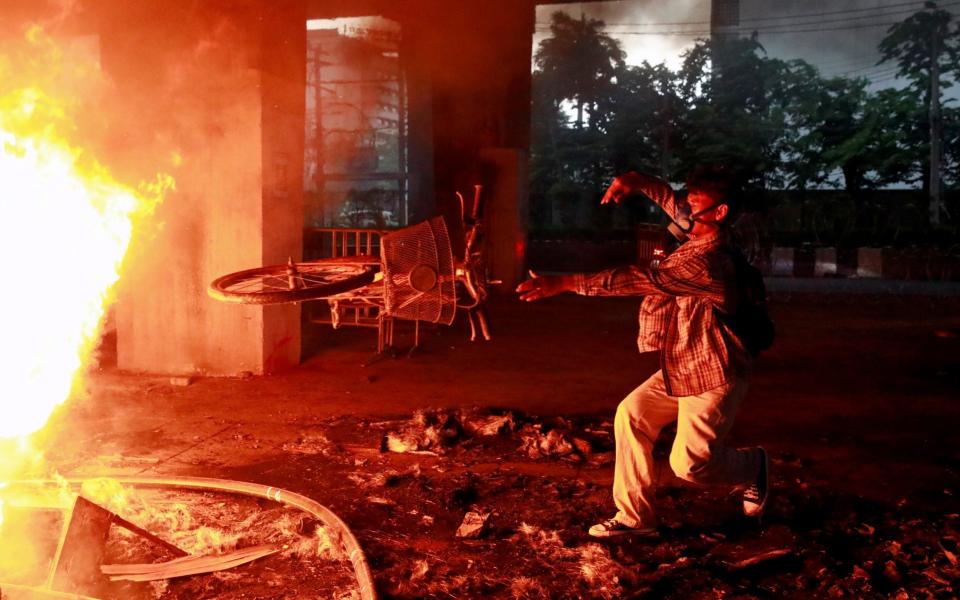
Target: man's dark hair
{"points": [[718, 181]]}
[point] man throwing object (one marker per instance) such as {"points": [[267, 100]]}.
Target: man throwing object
{"points": [[705, 366]]}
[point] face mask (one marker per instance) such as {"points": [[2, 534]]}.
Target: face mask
{"points": [[683, 224]]}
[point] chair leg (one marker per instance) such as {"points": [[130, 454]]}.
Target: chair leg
{"points": [[473, 326], [416, 339], [484, 326]]}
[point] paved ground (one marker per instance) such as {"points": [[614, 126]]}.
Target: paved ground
{"points": [[868, 382], [860, 394]]}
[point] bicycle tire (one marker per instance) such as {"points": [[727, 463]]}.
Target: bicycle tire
{"points": [[317, 279]]}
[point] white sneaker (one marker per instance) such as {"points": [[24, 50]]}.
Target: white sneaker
{"points": [[755, 497], [614, 528]]}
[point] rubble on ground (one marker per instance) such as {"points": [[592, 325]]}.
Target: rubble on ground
{"points": [[499, 506], [437, 431]]}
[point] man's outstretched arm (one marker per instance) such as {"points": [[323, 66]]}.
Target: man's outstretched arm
{"points": [[691, 279], [657, 190], [545, 286]]}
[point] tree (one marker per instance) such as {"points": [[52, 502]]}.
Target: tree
{"points": [[893, 129], [951, 146], [802, 165], [846, 129], [640, 120], [735, 107], [578, 63], [925, 47]]}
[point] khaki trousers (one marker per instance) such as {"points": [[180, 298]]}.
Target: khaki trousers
{"points": [[697, 455]]}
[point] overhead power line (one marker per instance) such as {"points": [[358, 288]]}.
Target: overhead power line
{"points": [[703, 32], [918, 5], [872, 11], [803, 28]]}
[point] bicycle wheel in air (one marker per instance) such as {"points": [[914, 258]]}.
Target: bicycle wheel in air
{"points": [[295, 282]]}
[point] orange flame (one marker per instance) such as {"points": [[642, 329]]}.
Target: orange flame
{"points": [[66, 224]]}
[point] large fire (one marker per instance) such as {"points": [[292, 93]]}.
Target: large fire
{"points": [[66, 225]]}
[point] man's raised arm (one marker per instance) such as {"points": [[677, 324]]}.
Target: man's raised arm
{"points": [[658, 190]]}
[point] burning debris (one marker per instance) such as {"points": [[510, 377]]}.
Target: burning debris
{"points": [[104, 555], [57, 187], [59, 195]]}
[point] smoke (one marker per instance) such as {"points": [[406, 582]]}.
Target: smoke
{"points": [[146, 89], [647, 30], [651, 11]]}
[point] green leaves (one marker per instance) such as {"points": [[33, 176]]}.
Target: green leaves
{"points": [[778, 123], [917, 41]]}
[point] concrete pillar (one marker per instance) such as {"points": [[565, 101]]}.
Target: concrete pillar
{"points": [[869, 262], [781, 262], [223, 88], [825, 262], [504, 172]]}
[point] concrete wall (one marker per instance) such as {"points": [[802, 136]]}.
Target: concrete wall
{"points": [[221, 85]]}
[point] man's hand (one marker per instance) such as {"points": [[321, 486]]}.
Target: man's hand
{"points": [[544, 286], [622, 186]]}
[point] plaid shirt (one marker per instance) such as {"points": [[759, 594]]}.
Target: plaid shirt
{"points": [[677, 317]]}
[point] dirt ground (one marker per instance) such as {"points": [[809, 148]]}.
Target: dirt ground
{"points": [[857, 403]]}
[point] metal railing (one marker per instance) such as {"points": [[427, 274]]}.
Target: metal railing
{"points": [[331, 242]]}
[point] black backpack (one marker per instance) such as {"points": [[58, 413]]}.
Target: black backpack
{"points": [[751, 322]]}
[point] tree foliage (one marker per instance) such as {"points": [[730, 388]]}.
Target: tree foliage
{"points": [[578, 63], [918, 42], [778, 123]]}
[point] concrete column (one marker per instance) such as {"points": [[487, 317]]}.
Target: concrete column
{"points": [[869, 262], [825, 262], [782, 262], [222, 88], [504, 172]]}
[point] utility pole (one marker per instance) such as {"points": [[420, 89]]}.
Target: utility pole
{"points": [[666, 120], [936, 130], [724, 26], [724, 18]]}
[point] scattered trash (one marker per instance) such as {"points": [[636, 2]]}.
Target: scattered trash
{"points": [[600, 459], [473, 525], [182, 567], [860, 573], [759, 558], [432, 431], [950, 555], [600, 571], [490, 425], [527, 587], [537, 444], [889, 548], [310, 443], [934, 575], [891, 573], [420, 569]]}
